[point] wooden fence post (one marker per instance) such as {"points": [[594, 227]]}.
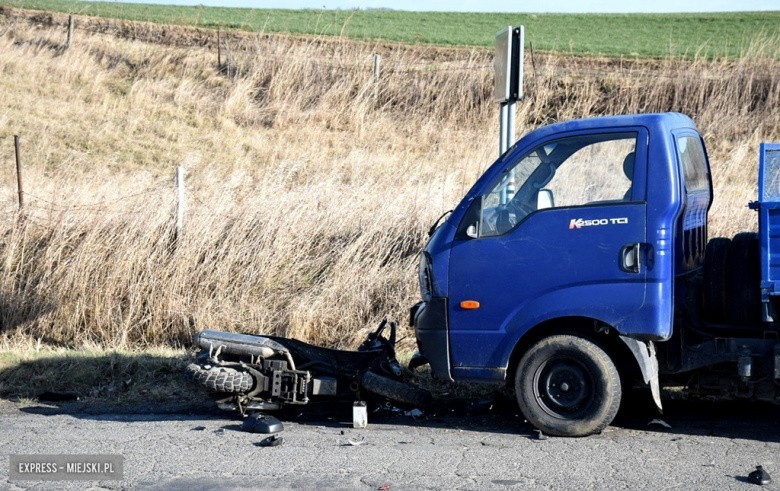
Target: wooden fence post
{"points": [[180, 202], [19, 187], [70, 32]]}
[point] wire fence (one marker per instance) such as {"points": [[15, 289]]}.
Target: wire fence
{"points": [[99, 206], [253, 51], [162, 194], [49, 211], [253, 55]]}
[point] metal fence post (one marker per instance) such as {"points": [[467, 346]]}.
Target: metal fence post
{"points": [[377, 60]]}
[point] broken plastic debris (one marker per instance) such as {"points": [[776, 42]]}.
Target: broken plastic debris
{"points": [[415, 413], [353, 443], [760, 476], [659, 422], [262, 423], [270, 441]]}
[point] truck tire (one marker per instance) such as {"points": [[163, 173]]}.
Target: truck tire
{"points": [[567, 386], [743, 289], [220, 379], [714, 292], [395, 390]]}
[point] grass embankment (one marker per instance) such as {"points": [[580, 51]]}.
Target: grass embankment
{"points": [[644, 35], [310, 189]]}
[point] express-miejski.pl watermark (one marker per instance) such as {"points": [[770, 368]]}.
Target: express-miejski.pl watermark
{"points": [[66, 467]]}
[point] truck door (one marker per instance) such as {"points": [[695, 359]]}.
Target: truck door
{"points": [[561, 232]]}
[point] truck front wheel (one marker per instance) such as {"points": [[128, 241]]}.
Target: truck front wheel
{"points": [[567, 386]]}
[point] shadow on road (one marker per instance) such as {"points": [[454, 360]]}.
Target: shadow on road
{"points": [[144, 387], [741, 420], [747, 420]]}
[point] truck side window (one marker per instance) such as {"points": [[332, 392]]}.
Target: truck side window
{"points": [[576, 171], [771, 176], [694, 163]]}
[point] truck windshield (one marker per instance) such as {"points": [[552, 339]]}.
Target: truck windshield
{"points": [[576, 171]]}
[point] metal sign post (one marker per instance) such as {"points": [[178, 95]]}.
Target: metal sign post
{"points": [[509, 80], [509, 89]]}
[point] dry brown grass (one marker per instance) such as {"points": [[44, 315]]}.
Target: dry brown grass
{"points": [[309, 192]]}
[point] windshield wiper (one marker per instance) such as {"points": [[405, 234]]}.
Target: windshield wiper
{"points": [[436, 223]]}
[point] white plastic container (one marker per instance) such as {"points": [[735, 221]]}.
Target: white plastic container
{"points": [[359, 414]]}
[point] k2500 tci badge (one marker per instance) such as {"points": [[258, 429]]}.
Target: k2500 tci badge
{"points": [[581, 222]]}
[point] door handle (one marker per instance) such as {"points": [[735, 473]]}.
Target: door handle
{"points": [[631, 258]]}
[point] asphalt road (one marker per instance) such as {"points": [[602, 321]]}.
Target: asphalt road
{"points": [[708, 447]]}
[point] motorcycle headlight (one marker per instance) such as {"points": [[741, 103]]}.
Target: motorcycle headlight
{"points": [[424, 275]]}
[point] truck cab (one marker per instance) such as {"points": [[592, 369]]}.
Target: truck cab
{"points": [[566, 262]]}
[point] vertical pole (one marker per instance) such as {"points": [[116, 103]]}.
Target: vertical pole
{"points": [[19, 187], [377, 60], [503, 127], [503, 124], [180, 202], [70, 31], [507, 138], [514, 74], [510, 127], [219, 48], [510, 140]]}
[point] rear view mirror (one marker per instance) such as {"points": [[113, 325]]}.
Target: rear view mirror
{"points": [[544, 199], [472, 231]]}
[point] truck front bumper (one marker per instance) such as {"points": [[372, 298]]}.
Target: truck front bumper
{"points": [[429, 320]]}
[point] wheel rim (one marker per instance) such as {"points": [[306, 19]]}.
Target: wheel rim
{"points": [[564, 387]]}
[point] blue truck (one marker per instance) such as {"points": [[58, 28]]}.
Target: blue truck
{"points": [[577, 267], [579, 264]]}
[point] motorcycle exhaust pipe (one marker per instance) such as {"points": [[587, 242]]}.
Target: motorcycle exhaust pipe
{"points": [[239, 344]]}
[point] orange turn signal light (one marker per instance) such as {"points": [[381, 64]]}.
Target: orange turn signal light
{"points": [[469, 305]]}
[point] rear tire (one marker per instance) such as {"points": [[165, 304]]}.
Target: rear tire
{"points": [[567, 386], [744, 279], [220, 379]]}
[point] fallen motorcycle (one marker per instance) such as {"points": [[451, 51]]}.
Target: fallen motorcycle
{"points": [[266, 373]]}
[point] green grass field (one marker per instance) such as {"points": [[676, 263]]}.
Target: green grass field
{"points": [[644, 35]]}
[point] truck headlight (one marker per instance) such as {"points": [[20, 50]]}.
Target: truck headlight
{"points": [[424, 275]]}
